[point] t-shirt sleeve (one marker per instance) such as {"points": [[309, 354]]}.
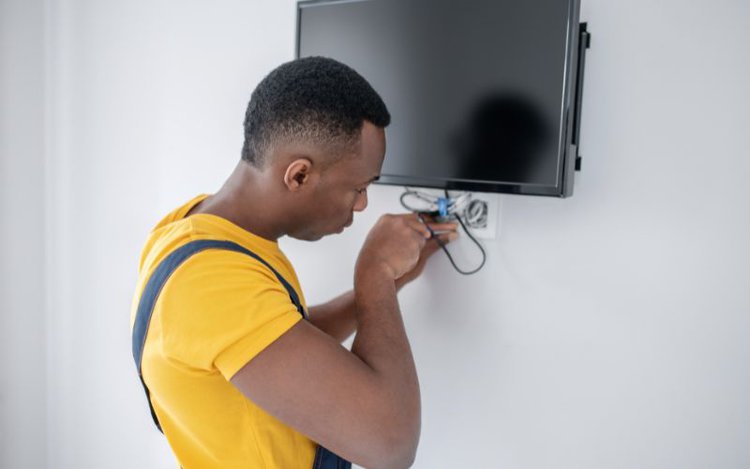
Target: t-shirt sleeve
{"points": [[220, 309]]}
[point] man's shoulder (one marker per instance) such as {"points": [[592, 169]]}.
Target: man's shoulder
{"points": [[216, 264]]}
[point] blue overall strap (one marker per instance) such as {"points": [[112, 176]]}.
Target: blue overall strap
{"points": [[324, 459], [156, 282]]}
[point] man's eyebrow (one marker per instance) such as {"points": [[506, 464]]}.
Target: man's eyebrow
{"points": [[371, 180]]}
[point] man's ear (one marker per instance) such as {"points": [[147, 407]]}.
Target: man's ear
{"points": [[298, 174]]}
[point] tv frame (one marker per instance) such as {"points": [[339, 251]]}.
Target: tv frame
{"points": [[578, 40]]}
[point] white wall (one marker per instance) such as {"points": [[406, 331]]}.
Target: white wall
{"points": [[607, 330], [148, 108], [22, 243]]}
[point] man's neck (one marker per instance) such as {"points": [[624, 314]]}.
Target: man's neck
{"points": [[242, 201]]}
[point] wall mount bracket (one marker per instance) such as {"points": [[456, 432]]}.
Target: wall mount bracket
{"points": [[584, 42]]}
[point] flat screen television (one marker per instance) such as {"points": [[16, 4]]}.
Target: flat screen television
{"points": [[484, 94]]}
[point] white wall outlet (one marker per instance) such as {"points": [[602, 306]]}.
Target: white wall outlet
{"points": [[490, 227]]}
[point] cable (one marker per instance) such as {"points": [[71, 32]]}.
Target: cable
{"points": [[431, 205], [479, 245], [434, 205]]}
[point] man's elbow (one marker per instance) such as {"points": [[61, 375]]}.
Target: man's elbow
{"points": [[389, 429], [395, 448], [403, 455], [393, 456]]}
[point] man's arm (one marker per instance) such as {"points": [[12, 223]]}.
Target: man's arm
{"points": [[363, 405], [336, 317]]}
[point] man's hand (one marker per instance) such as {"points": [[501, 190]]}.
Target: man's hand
{"points": [[401, 244], [445, 233]]}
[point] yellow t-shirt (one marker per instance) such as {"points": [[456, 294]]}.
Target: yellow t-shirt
{"points": [[216, 312]]}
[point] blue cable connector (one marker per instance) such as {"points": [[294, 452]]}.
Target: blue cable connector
{"points": [[443, 204]]}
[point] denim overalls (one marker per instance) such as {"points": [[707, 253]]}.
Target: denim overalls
{"points": [[324, 459]]}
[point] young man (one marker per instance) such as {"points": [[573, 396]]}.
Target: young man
{"points": [[239, 372]]}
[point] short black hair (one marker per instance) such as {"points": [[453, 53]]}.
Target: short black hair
{"points": [[315, 99]]}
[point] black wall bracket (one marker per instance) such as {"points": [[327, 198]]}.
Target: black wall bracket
{"points": [[584, 42]]}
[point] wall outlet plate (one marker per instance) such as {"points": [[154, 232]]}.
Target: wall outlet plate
{"points": [[492, 227]]}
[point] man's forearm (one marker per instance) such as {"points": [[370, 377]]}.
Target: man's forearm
{"points": [[337, 317], [381, 342]]}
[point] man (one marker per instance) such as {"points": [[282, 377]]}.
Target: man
{"points": [[238, 374]]}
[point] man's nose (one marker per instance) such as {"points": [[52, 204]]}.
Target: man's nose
{"points": [[361, 203]]}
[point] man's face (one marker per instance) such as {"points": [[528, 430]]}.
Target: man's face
{"points": [[342, 188]]}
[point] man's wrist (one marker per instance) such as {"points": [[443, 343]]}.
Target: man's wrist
{"points": [[375, 271], [372, 287]]}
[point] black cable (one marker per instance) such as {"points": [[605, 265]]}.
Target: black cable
{"points": [[403, 196], [481, 249], [410, 192]]}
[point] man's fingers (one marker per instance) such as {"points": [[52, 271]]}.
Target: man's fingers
{"points": [[448, 237], [444, 238], [434, 244], [430, 229], [439, 229], [421, 228], [453, 226]]}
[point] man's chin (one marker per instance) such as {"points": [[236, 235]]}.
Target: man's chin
{"points": [[309, 236]]}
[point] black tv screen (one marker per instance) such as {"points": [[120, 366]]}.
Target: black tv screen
{"points": [[482, 93]]}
